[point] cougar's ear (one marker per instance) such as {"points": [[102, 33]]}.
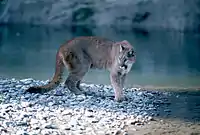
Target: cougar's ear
{"points": [[125, 42], [121, 47]]}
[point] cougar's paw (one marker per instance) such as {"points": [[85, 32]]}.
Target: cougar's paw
{"points": [[78, 92], [34, 90], [119, 99]]}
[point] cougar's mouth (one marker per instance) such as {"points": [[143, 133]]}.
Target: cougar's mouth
{"points": [[132, 59]]}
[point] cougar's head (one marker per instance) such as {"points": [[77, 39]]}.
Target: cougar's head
{"points": [[127, 53]]}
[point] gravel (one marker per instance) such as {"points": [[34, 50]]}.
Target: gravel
{"points": [[60, 112]]}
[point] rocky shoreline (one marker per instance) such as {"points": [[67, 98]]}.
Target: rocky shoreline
{"points": [[60, 112]]}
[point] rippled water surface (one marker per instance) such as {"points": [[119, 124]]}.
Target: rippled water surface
{"points": [[163, 58]]}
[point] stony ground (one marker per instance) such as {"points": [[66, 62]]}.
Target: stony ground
{"points": [[60, 112]]}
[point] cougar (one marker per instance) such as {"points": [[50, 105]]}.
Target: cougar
{"points": [[83, 53]]}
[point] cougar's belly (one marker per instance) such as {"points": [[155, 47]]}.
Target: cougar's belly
{"points": [[100, 64]]}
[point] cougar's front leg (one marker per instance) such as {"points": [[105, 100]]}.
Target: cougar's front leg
{"points": [[117, 81]]}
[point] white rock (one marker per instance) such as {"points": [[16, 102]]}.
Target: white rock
{"points": [[89, 114], [25, 104], [149, 118], [46, 132], [21, 132], [50, 103], [80, 98], [117, 132], [140, 93], [34, 121], [139, 117], [24, 87], [34, 132], [65, 127], [67, 112], [22, 123], [35, 126], [73, 122], [50, 126], [18, 86], [26, 81], [2, 117], [81, 127], [46, 108]]}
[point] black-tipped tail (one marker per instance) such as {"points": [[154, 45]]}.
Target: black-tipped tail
{"points": [[34, 90]]}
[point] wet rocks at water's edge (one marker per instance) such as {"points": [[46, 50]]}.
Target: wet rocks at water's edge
{"points": [[61, 112]]}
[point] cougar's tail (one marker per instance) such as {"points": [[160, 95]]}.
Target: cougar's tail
{"points": [[54, 82]]}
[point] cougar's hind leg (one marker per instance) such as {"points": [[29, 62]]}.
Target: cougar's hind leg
{"points": [[77, 69], [78, 85], [72, 82]]}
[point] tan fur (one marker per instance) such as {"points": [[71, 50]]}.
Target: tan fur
{"points": [[82, 53]]}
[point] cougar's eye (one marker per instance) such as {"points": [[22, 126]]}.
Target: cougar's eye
{"points": [[130, 54]]}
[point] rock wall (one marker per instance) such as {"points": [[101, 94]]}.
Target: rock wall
{"points": [[180, 15]]}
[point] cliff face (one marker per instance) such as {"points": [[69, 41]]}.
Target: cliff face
{"points": [[180, 15]]}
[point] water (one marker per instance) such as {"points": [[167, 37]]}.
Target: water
{"points": [[164, 59], [181, 105]]}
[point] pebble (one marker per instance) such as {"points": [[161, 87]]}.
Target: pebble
{"points": [[66, 113], [89, 114], [117, 132], [94, 120], [50, 126], [22, 124], [59, 93], [27, 82], [125, 133], [167, 110], [18, 86], [21, 132], [65, 127], [50, 103], [34, 121], [25, 104], [35, 126], [80, 98], [139, 117], [73, 123]]}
